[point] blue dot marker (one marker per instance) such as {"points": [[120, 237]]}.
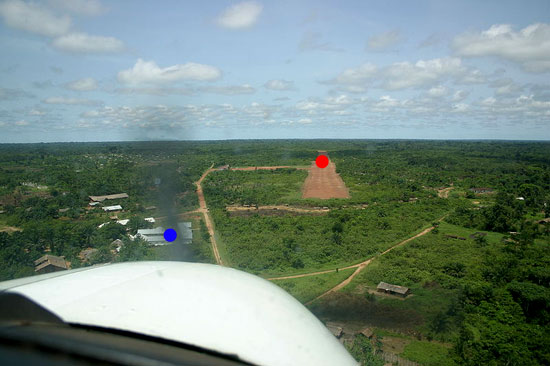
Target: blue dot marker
{"points": [[170, 235]]}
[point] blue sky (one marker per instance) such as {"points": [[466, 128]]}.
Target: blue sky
{"points": [[86, 70]]}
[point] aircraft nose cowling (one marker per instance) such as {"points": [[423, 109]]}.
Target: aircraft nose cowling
{"points": [[209, 306]]}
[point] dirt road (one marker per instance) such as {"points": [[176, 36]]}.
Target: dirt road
{"points": [[278, 208], [207, 219], [248, 168], [324, 183]]}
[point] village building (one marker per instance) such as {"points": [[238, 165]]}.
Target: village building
{"points": [[393, 289], [224, 167], [109, 197], [50, 263], [153, 236], [150, 219], [112, 208], [185, 232], [156, 236]]}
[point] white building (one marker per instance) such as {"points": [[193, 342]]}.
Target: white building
{"points": [[112, 208]]}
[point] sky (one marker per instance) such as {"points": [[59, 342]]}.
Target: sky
{"points": [[90, 70]]}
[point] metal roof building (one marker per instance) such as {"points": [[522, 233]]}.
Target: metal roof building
{"points": [[109, 197], [112, 208], [50, 263], [393, 289], [156, 236]]}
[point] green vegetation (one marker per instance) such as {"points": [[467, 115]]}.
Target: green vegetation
{"points": [[488, 295], [262, 187], [294, 244], [305, 289], [427, 353]]}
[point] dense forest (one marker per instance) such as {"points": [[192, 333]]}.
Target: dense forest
{"points": [[480, 280]]}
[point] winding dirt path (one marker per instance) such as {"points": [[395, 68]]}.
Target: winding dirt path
{"points": [[207, 219], [362, 265]]}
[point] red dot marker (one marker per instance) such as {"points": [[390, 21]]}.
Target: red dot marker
{"points": [[321, 161]]}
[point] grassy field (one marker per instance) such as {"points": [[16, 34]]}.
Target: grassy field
{"points": [[297, 244], [305, 289], [428, 353]]}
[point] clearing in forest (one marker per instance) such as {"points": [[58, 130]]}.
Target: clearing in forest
{"points": [[324, 183]]}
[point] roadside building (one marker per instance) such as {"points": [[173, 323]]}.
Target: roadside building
{"points": [[185, 233], [224, 167], [109, 197], [50, 263], [153, 236], [112, 208], [393, 289]]}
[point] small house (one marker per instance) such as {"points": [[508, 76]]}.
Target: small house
{"points": [[393, 289], [112, 208], [50, 263]]}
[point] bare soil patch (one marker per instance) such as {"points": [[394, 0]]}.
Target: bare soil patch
{"points": [[274, 210], [324, 183]]}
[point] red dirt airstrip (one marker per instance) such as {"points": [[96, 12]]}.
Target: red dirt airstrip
{"points": [[324, 183]]}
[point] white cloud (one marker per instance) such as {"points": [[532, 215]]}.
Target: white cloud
{"points": [[530, 47], [305, 121], [82, 7], [387, 101], [384, 40], [86, 84], [229, 90], [460, 107], [240, 16], [22, 123], [32, 17], [313, 41], [280, 85], [358, 75], [149, 72], [70, 101], [438, 91], [36, 112], [460, 95], [402, 75], [85, 43], [505, 86], [489, 101]]}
